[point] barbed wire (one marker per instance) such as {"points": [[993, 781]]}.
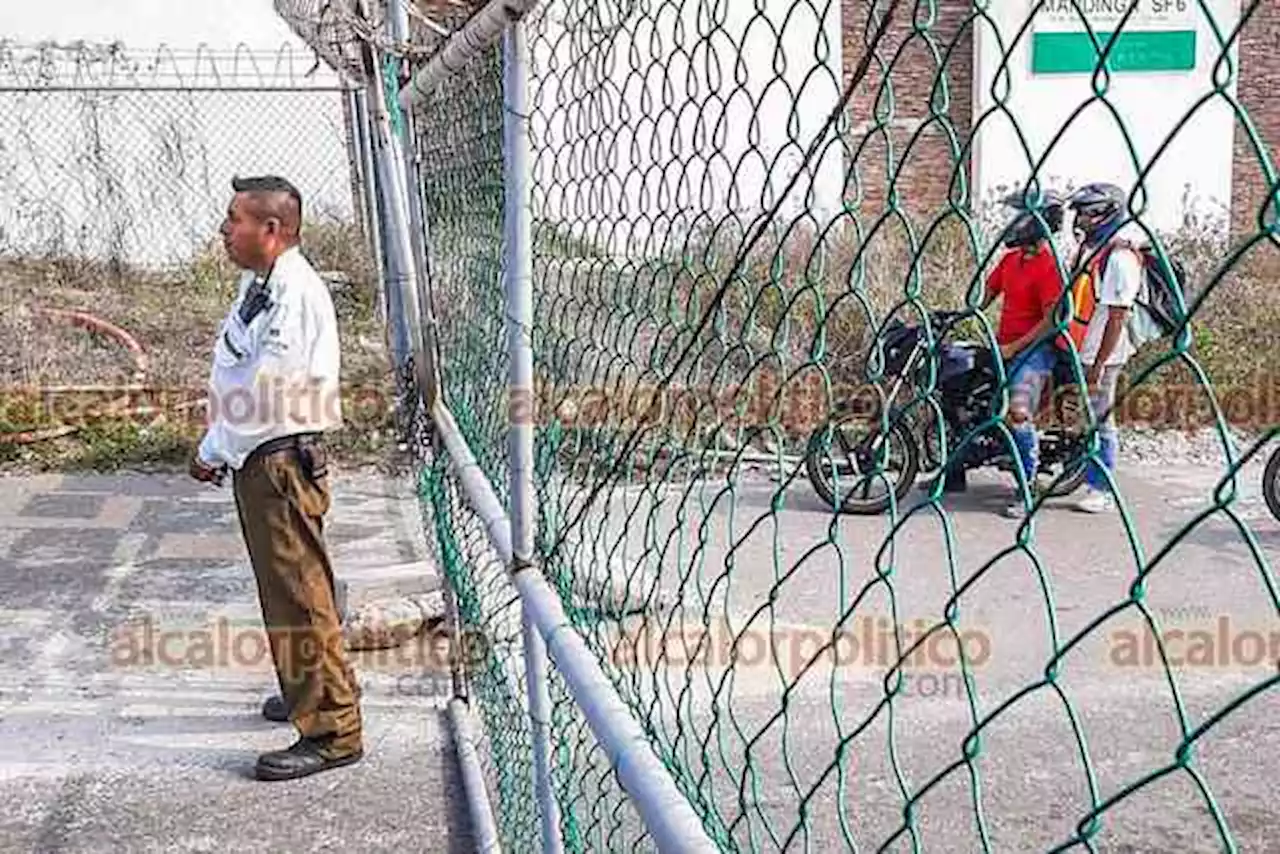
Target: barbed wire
{"points": [[127, 155], [26, 66], [340, 30]]}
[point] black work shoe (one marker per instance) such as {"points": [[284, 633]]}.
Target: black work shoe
{"points": [[303, 757], [274, 709]]}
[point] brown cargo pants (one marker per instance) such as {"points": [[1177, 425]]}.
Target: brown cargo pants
{"points": [[282, 516]]}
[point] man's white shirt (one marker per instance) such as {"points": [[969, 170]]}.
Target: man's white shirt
{"points": [[279, 375], [1119, 285]]}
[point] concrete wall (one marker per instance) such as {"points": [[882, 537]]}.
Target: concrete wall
{"points": [[117, 161], [143, 175], [1137, 134], [920, 152], [683, 121], [149, 23]]}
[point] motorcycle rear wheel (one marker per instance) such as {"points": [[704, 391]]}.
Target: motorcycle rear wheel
{"points": [[1271, 484], [1070, 483]]}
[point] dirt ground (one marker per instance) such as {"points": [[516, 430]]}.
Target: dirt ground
{"points": [[98, 384]]}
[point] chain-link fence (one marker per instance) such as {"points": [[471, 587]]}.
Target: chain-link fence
{"points": [[750, 224], [123, 155]]}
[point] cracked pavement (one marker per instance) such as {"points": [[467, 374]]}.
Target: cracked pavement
{"points": [[103, 748]]}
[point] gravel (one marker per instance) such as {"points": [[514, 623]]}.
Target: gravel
{"points": [[1146, 446], [1150, 446]]}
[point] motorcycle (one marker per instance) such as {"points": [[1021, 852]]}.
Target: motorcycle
{"points": [[1271, 484], [960, 404]]}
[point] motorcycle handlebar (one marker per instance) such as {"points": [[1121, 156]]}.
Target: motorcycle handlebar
{"points": [[947, 318], [938, 321]]}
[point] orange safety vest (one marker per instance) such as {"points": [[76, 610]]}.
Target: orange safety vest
{"points": [[1084, 299]]}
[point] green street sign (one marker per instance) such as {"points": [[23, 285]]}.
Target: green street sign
{"points": [[1152, 50]]}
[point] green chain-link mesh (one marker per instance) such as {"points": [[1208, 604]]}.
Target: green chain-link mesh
{"points": [[985, 710]]}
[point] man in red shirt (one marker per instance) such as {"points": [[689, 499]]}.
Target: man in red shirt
{"points": [[1028, 279]]}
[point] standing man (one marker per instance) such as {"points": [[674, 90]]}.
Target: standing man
{"points": [[1102, 297], [273, 391]]}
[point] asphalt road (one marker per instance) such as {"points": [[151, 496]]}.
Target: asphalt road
{"points": [[101, 751], [102, 754], [775, 570]]}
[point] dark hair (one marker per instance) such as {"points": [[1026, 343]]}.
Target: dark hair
{"points": [[268, 184], [269, 193]]}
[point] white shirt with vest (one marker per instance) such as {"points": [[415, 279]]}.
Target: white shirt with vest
{"points": [[279, 375], [1120, 285]]}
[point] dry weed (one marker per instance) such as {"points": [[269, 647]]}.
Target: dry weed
{"points": [[799, 319], [173, 315]]}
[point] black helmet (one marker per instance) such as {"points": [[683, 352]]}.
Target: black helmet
{"points": [[1028, 225], [1099, 209]]}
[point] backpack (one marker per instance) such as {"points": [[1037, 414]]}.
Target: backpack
{"points": [[1158, 310]]}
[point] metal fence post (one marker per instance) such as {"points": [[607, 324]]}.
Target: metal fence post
{"points": [[369, 186], [398, 23], [402, 277], [396, 235], [519, 287]]}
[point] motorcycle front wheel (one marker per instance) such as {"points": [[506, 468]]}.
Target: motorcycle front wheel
{"points": [[859, 456]]}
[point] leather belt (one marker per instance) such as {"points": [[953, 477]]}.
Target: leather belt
{"points": [[284, 443]]}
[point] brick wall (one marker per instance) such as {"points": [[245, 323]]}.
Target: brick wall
{"points": [[1259, 68], [879, 137]]}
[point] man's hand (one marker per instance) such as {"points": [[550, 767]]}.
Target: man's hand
{"points": [[1116, 317], [205, 473]]}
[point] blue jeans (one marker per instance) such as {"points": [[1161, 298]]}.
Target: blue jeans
{"points": [[1102, 401], [1029, 372]]}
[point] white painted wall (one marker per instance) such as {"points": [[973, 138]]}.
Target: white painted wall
{"points": [[1197, 164], [146, 176], [148, 23], [662, 128]]}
